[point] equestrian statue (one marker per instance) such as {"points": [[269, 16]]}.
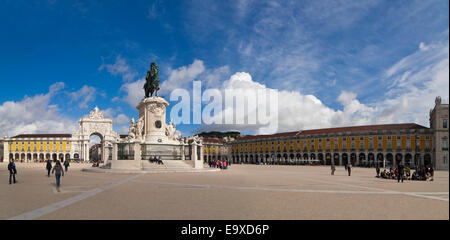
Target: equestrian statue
{"points": [[152, 81]]}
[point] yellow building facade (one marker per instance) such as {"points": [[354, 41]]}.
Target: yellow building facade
{"points": [[384, 145]]}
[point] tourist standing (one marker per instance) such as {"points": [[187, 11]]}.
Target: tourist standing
{"points": [[400, 172], [349, 168], [333, 168], [66, 164], [12, 171], [58, 170], [224, 164], [49, 167], [431, 171], [378, 170]]}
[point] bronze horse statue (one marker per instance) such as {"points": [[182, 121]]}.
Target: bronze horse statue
{"points": [[152, 81]]}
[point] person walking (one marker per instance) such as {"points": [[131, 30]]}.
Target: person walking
{"points": [[66, 165], [49, 167], [12, 171], [333, 168], [224, 164], [58, 170], [400, 172], [378, 170], [349, 168]]}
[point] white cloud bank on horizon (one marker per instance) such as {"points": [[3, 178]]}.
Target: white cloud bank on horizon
{"points": [[415, 82], [35, 114]]}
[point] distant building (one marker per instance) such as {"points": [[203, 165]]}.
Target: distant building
{"points": [[385, 145], [42, 147], [95, 152], [215, 149]]}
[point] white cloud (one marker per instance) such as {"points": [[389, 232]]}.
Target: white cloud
{"points": [[123, 129], [214, 78], [422, 46], [35, 114], [134, 92], [416, 81], [120, 67], [182, 77], [296, 111], [85, 96], [152, 13], [121, 119]]}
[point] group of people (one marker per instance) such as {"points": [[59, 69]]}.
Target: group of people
{"points": [[156, 160], [57, 170], [404, 173], [348, 168], [219, 164]]}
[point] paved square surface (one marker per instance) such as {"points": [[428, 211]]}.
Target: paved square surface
{"points": [[241, 192]]}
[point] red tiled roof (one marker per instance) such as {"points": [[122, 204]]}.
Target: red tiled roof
{"points": [[213, 140], [284, 134], [43, 136], [401, 126]]}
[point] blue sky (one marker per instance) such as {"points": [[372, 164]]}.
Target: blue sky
{"points": [[335, 63]]}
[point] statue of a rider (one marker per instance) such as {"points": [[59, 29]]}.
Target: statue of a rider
{"points": [[152, 81]]}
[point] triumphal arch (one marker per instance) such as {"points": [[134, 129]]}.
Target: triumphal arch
{"points": [[95, 124]]}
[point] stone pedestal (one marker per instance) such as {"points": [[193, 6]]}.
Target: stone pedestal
{"points": [[152, 121], [195, 158]]}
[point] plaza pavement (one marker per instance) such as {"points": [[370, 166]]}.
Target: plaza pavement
{"points": [[241, 192]]}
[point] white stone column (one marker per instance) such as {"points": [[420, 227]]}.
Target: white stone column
{"points": [[198, 163], [114, 153], [86, 152], [5, 151], [182, 152], [194, 152], [201, 153], [104, 158], [137, 154]]}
